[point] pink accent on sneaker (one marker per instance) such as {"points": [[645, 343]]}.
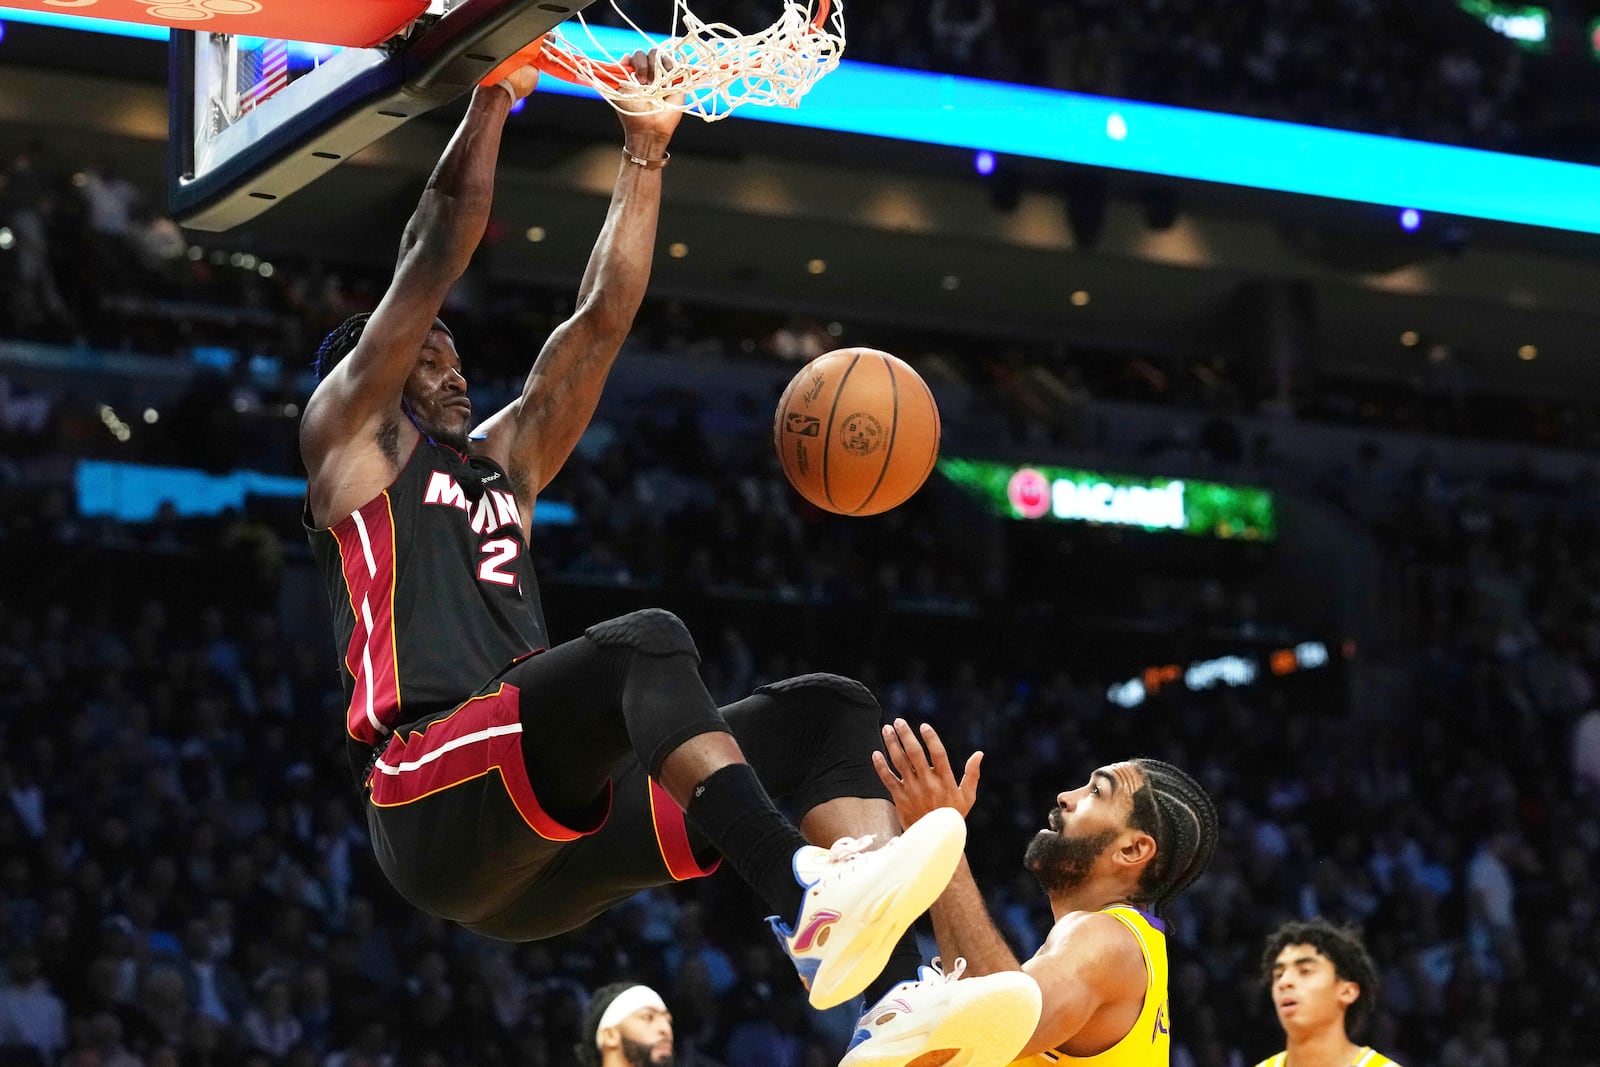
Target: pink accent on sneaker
{"points": [[821, 919]]}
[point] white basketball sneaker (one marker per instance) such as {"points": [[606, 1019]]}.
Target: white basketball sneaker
{"points": [[979, 1022], [859, 903]]}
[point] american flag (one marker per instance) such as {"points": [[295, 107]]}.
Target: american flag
{"points": [[262, 72]]}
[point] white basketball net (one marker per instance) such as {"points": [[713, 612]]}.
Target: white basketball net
{"points": [[713, 65]]}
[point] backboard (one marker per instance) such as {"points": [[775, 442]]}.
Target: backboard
{"points": [[256, 118]]}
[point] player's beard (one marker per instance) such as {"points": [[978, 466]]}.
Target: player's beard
{"points": [[1063, 863], [637, 1053], [456, 439]]}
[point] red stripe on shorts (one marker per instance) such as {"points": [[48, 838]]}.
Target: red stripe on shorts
{"points": [[672, 837], [482, 735]]}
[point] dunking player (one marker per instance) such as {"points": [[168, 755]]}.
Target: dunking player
{"points": [[1323, 987], [520, 792], [1115, 851]]}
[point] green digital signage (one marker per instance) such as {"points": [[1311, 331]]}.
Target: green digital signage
{"points": [[1526, 24], [1162, 505]]}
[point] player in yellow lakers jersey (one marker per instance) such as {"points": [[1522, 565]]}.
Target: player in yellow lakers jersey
{"points": [[1114, 851], [1324, 987]]}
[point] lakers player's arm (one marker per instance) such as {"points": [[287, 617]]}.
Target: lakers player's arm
{"points": [[1090, 971], [915, 769], [963, 927], [1092, 980], [533, 435], [362, 392]]}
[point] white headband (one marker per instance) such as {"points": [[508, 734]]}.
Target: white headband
{"points": [[625, 1004]]}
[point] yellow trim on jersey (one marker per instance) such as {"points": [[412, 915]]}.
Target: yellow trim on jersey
{"points": [[1147, 1042], [1366, 1057]]}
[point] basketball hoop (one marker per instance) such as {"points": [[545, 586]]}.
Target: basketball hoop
{"points": [[714, 66]]}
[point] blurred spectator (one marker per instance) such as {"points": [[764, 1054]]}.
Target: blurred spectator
{"points": [[270, 1025], [31, 1015]]}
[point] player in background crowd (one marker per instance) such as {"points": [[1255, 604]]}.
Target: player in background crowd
{"points": [[1323, 988]]}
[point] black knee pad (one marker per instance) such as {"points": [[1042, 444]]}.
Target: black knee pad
{"points": [[652, 631], [814, 736], [832, 688]]}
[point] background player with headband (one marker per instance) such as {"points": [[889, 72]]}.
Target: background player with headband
{"points": [[1114, 852], [627, 1025], [520, 792]]}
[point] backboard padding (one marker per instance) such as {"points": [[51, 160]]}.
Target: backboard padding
{"points": [[349, 23], [355, 98]]}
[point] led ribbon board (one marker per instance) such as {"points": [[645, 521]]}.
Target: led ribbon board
{"points": [[1160, 505], [1101, 131], [132, 492], [1154, 139]]}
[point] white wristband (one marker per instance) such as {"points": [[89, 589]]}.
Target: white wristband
{"points": [[505, 83]]}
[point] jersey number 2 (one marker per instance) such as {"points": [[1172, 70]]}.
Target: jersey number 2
{"points": [[501, 552]]}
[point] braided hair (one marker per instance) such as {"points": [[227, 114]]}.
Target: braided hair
{"points": [[585, 1051], [343, 340], [1342, 945], [1174, 810]]}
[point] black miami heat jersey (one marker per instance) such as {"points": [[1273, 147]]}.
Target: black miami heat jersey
{"points": [[432, 590]]}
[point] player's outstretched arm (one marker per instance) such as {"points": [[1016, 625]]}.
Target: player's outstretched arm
{"points": [[919, 779], [1089, 962], [533, 436], [364, 389]]}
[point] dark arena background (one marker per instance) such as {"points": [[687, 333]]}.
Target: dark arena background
{"points": [[1357, 591]]}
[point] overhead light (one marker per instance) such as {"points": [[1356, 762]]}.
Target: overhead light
{"points": [[983, 163], [7, 239], [816, 266], [151, 415], [1080, 298], [1411, 339], [113, 422], [535, 234], [677, 250], [1527, 353], [266, 270], [1411, 220]]}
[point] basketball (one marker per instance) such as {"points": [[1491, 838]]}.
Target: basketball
{"points": [[857, 431]]}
